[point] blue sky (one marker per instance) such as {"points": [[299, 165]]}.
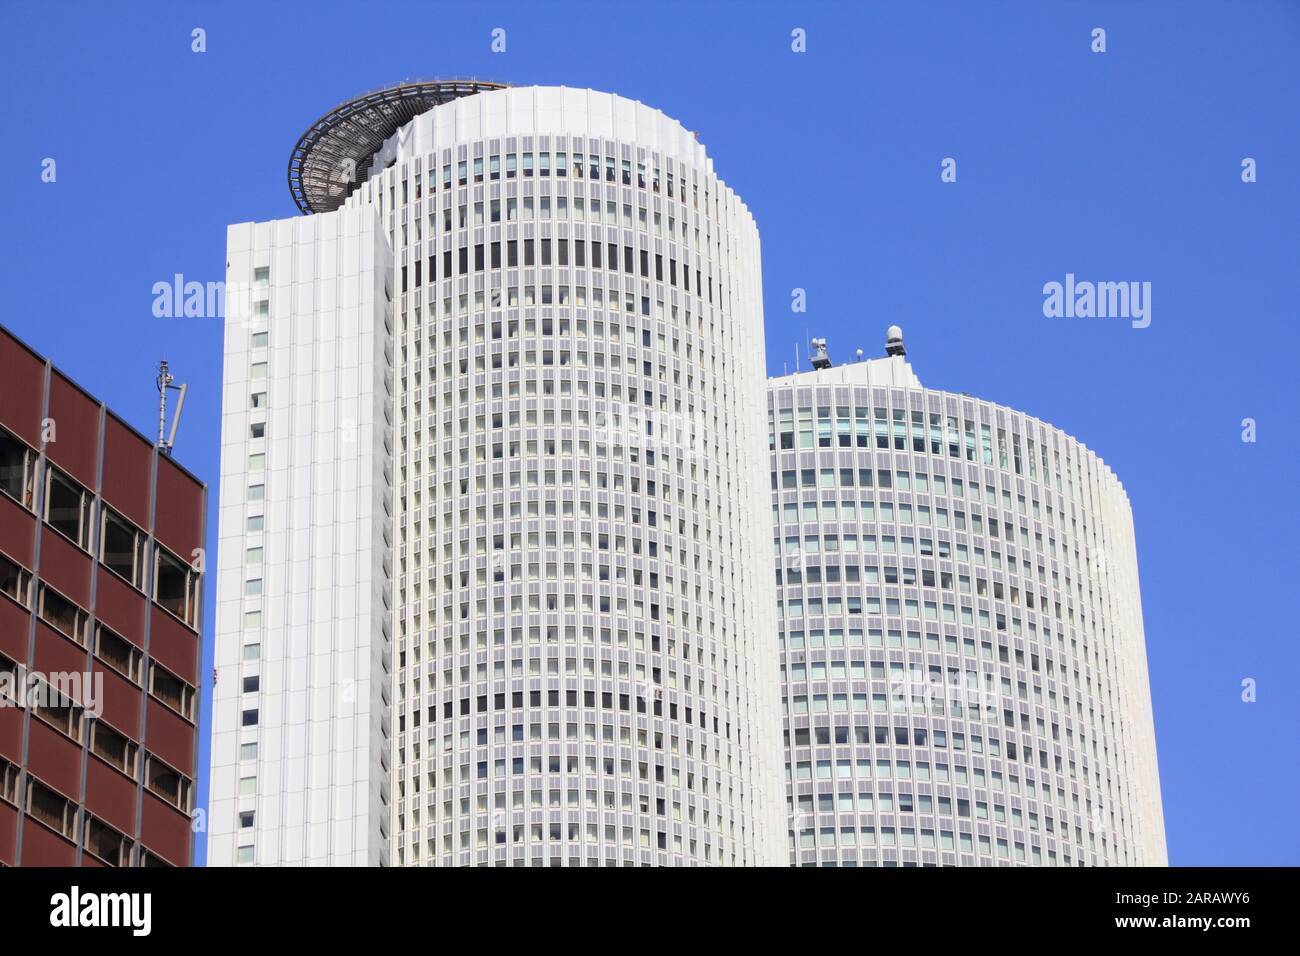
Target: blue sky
{"points": [[1123, 165]]}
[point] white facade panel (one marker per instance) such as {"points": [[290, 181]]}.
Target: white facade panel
{"points": [[301, 725]]}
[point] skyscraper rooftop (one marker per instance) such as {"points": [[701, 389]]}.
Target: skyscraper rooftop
{"points": [[333, 156]]}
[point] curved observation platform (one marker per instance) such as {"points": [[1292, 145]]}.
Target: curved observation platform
{"points": [[334, 155]]}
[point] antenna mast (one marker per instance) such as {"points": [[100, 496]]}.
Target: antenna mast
{"points": [[167, 441]]}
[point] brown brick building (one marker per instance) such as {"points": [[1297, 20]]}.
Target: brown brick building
{"points": [[100, 539]]}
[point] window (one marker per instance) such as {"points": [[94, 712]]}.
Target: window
{"points": [[118, 653], [113, 747], [15, 581], [246, 819], [244, 854], [255, 523], [249, 718], [122, 548], [251, 684], [17, 467], [257, 430], [259, 340], [172, 691], [8, 781], [54, 810], [62, 614], [105, 843], [176, 587], [67, 508], [57, 710], [150, 859], [11, 687], [169, 784]]}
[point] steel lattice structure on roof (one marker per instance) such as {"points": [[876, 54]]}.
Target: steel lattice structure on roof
{"points": [[334, 155]]}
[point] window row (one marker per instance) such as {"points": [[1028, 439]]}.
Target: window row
{"points": [[101, 840], [542, 162], [69, 510], [59, 710], [961, 438]]}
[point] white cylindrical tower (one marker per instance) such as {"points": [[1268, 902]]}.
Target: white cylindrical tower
{"points": [[584, 626], [963, 660]]}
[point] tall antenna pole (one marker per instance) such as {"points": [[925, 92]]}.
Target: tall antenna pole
{"points": [[164, 383], [167, 441]]}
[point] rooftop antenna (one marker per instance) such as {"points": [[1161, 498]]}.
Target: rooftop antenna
{"points": [[167, 441], [859, 354], [817, 351]]}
